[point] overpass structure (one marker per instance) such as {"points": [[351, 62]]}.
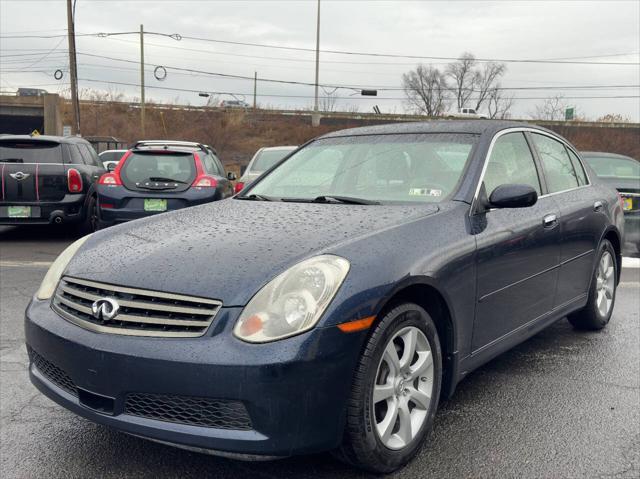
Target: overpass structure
{"points": [[22, 115]]}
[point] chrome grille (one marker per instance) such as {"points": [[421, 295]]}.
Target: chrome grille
{"points": [[141, 313]]}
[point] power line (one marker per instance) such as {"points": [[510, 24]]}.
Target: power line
{"points": [[336, 52], [339, 98]]}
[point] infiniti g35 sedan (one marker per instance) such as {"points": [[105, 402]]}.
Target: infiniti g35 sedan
{"points": [[382, 265]]}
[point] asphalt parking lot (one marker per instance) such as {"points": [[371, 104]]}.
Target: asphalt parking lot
{"points": [[563, 404]]}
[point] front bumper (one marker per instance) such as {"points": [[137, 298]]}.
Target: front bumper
{"points": [[295, 391], [69, 210]]}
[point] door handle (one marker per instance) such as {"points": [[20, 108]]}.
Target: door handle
{"points": [[598, 206], [550, 221]]}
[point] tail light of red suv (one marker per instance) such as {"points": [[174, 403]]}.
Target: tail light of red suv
{"points": [[202, 179]]}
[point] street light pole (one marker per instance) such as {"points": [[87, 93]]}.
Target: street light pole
{"points": [[315, 118], [142, 79]]}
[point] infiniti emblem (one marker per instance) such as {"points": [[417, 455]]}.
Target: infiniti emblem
{"points": [[105, 309], [19, 175]]}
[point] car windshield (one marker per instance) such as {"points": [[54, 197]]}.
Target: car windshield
{"points": [[111, 155], [30, 152], [267, 158], [374, 168], [614, 167], [142, 166]]}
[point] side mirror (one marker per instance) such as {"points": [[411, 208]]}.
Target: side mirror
{"points": [[231, 176], [111, 166], [513, 196]]}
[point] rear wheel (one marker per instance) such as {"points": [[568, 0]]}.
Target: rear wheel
{"points": [[602, 293], [90, 222], [395, 392]]}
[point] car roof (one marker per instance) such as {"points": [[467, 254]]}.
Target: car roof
{"points": [[437, 126], [177, 145], [287, 147], [604, 154], [49, 138]]}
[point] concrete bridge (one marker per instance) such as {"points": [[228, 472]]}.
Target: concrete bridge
{"points": [[25, 114]]}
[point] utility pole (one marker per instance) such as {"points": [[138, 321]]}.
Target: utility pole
{"points": [[315, 117], [71, 35], [255, 89], [142, 80]]}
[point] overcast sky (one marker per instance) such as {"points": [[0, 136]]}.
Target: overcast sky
{"points": [[604, 31]]}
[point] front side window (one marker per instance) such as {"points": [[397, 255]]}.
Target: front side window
{"points": [[557, 165], [511, 162], [381, 168], [142, 167]]}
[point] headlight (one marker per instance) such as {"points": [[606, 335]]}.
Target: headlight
{"points": [[293, 302], [50, 281]]}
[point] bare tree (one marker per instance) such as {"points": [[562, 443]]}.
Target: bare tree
{"points": [[329, 101], [426, 90], [551, 109], [486, 81], [499, 104], [464, 77]]}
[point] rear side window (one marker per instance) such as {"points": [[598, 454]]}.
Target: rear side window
{"points": [[75, 155], [580, 173], [25, 151], [557, 165], [210, 165], [89, 154], [142, 167], [511, 161]]}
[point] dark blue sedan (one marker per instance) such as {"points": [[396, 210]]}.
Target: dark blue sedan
{"points": [[333, 303]]}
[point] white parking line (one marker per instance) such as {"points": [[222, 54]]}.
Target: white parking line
{"points": [[25, 264], [630, 262]]}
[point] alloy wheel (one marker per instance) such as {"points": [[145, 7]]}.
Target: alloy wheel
{"points": [[605, 283], [403, 388]]}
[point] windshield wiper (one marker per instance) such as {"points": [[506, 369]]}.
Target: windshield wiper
{"points": [[343, 199], [11, 160], [255, 197], [166, 180]]}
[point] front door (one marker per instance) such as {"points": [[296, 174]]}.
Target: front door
{"points": [[517, 249]]}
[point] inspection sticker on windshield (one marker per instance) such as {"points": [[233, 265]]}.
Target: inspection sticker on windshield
{"points": [[425, 192]]}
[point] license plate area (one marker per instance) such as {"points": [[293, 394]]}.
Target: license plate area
{"points": [[19, 212], [155, 204]]}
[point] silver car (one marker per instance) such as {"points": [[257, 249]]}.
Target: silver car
{"points": [[264, 159]]}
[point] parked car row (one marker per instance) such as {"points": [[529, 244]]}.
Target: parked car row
{"points": [[385, 264], [48, 179]]}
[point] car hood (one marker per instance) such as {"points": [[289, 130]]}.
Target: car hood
{"points": [[229, 249]]}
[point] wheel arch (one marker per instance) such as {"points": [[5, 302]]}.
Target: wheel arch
{"points": [[612, 235], [425, 292]]}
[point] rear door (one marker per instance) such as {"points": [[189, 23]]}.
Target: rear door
{"points": [[32, 171], [213, 167], [517, 248], [582, 215]]}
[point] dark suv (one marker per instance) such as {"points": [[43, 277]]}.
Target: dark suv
{"points": [[157, 176], [48, 179]]}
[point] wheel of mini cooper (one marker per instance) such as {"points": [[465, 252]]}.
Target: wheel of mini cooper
{"points": [[395, 391], [602, 292]]}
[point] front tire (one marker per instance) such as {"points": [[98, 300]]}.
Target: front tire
{"points": [[395, 391], [602, 292]]}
